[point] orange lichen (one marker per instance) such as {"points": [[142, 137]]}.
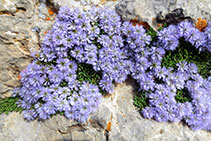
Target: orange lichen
{"points": [[139, 23], [134, 22], [47, 19], [153, 20], [108, 126], [50, 12], [124, 115], [156, 24], [201, 24], [19, 77]]}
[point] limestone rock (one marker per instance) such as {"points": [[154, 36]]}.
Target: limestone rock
{"points": [[146, 10], [14, 127], [85, 4], [18, 39], [14, 7]]}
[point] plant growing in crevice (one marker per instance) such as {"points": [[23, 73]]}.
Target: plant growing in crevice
{"points": [[85, 52]]}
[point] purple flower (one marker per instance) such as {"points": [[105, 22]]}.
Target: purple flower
{"points": [[78, 53], [55, 76], [192, 68], [168, 37], [182, 66], [161, 72], [29, 114], [148, 112], [106, 85], [147, 83], [207, 33]]}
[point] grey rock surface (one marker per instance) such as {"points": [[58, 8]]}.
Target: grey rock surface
{"points": [[85, 4], [146, 10], [18, 40]]}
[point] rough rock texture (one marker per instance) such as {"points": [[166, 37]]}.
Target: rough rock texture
{"points": [[23, 25], [116, 119], [20, 32], [146, 10], [86, 4]]}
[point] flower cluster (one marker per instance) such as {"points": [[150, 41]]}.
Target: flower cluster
{"points": [[93, 37], [51, 85], [48, 90], [207, 32], [169, 37], [162, 84], [97, 37], [163, 105]]}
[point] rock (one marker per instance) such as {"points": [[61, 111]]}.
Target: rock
{"points": [[146, 10], [18, 40], [100, 118], [81, 136], [84, 4], [14, 127], [22, 8]]}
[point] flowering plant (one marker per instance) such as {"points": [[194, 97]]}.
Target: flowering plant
{"points": [[172, 85], [85, 52], [80, 56]]}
